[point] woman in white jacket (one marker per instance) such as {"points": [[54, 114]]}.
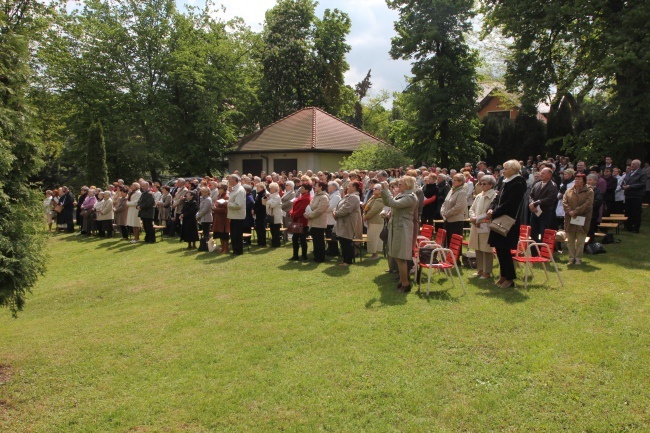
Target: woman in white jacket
{"points": [[273, 203], [104, 212], [132, 219]]}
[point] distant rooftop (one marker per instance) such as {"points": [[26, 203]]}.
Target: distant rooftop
{"points": [[308, 130]]}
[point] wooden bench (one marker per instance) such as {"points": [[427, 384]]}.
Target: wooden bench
{"points": [[607, 226], [248, 236]]}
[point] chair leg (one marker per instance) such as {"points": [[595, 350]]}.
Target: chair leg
{"points": [[545, 272], [558, 273], [460, 279], [526, 274]]}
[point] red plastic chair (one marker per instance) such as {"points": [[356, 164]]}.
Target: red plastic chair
{"points": [[441, 236], [545, 252], [524, 235], [427, 231], [446, 261]]}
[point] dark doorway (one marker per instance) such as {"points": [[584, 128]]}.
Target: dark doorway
{"points": [[253, 166], [287, 165]]}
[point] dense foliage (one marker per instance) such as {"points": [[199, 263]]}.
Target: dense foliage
{"points": [[441, 96], [589, 59], [372, 156], [21, 241]]}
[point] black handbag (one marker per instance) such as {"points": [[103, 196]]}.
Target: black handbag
{"points": [[270, 219], [383, 235]]}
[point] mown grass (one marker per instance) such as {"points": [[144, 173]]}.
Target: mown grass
{"points": [[145, 338]]}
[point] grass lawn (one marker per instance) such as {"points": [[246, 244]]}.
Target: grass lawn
{"points": [[148, 338]]}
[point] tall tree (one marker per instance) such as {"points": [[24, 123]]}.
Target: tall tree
{"points": [[96, 169], [442, 92], [303, 60], [21, 241], [360, 91], [567, 51]]}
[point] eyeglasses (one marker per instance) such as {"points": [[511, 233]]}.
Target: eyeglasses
{"points": [[484, 183]]}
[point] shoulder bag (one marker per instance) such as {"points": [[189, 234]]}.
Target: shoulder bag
{"points": [[504, 223]]}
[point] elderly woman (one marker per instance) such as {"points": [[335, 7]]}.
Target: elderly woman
{"points": [[120, 210], [189, 229], [317, 217], [204, 217], [348, 221], [104, 211], [164, 204], [88, 212], [479, 230], [578, 204], [373, 218], [508, 202], [454, 208], [220, 221], [273, 204], [297, 214], [400, 226], [132, 219], [47, 209]]}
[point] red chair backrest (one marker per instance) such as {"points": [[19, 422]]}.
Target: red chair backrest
{"points": [[524, 232], [549, 239], [427, 230], [441, 235], [455, 246]]}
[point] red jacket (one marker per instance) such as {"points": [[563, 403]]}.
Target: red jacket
{"points": [[298, 212]]}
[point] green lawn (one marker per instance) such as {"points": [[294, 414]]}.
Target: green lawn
{"points": [[121, 337]]}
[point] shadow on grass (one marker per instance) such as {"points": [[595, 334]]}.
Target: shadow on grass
{"points": [[439, 290], [388, 294], [509, 295]]}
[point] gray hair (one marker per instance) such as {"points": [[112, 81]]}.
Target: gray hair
{"points": [[289, 183], [592, 176], [489, 179], [333, 184]]}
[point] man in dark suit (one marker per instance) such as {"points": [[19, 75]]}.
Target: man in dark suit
{"points": [[543, 197], [146, 207], [67, 201], [634, 187]]}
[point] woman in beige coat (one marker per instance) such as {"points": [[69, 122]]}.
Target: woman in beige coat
{"points": [[400, 226], [479, 229], [348, 221], [577, 202], [372, 217], [273, 203], [454, 209], [318, 219]]}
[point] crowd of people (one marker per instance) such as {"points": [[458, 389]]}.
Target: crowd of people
{"points": [[332, 210]]}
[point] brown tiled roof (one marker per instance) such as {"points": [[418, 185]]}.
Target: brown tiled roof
{"points": [[308, 130]]}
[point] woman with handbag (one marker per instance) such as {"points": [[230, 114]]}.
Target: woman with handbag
{"points": [[372, 217], [505, 211], [87, 212], [479, 229], [204, 217], [298, 225]]}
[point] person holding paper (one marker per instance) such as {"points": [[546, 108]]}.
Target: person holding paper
{"points": [[479, 229], [541, 203], [578, 206]]}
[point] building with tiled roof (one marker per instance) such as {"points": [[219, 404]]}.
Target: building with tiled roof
{"points": [[309, 139]]}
